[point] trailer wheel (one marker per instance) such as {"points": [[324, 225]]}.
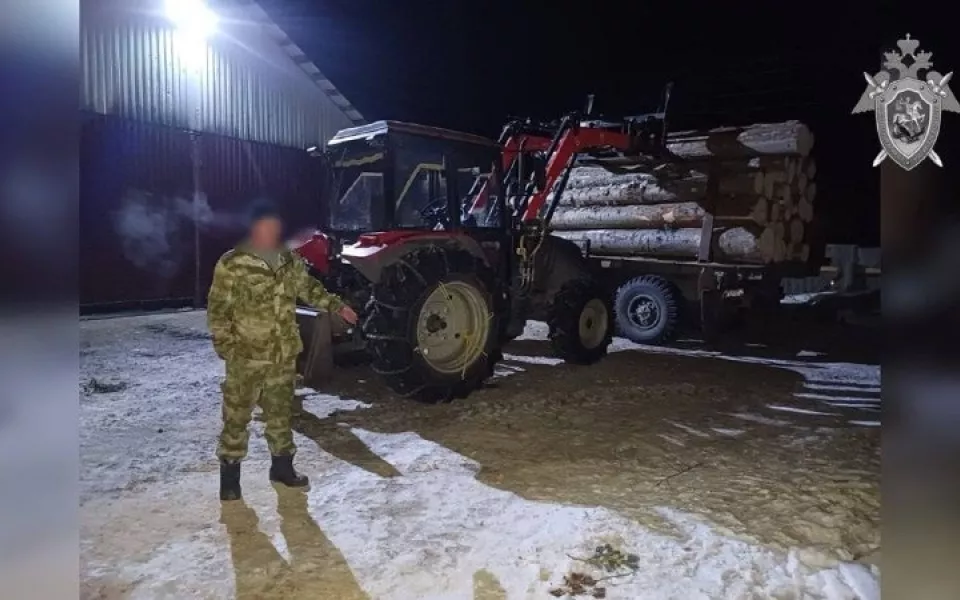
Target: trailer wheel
{"points": [[431, 327], [647, 310], [581, 322]]}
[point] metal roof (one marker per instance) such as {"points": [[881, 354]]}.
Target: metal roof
{"points": [[300, 59], [250, 81], [383, 127]]}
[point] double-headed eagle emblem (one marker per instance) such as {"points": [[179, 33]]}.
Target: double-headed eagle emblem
{"points": [[908, 97]]}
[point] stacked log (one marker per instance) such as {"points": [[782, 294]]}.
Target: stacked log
{"points": [[761, 200]]}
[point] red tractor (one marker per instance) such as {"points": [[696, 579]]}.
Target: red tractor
{"points": [[441, 240]]}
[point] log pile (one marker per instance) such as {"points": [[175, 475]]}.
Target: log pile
{"points": [[761, 199]]}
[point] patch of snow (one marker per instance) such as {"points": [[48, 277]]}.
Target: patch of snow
{"points": [[422, 533], [534, 360], [867, 403], [324, 405], [728, 432], [860, 378], [826, 398], [688, 429], [824, 387], [426, 533], [858, 405], [802, 411], [865, 423], [809, 353], [672, 440], [501, 370], [836, 371], [804, 298], [759, 419], [863, 581], [535, 330]]}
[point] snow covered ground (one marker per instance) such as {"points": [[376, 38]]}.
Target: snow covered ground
{"points": [[728, 476]]}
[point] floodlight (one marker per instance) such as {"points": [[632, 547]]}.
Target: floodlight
{"points": [[194, 23], [192, 18]]}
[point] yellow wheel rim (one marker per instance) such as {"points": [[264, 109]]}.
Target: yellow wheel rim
{"points": [[594, 322], [453, 327]]}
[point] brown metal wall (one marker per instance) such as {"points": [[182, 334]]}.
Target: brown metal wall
{"points": [[235, 174], [145, 237]]}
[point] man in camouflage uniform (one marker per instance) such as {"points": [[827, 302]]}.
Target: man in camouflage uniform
{"points": [[251, 312]]}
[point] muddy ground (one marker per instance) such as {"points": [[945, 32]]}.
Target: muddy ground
{"points": [[749, 470]]}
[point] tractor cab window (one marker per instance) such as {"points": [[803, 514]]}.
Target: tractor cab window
{"points": [[419, 183], [354, 209], [422, 199], [479, 198], [356, 187]]}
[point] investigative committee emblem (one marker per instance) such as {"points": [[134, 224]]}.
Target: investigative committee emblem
{"points": [[908, 98]]}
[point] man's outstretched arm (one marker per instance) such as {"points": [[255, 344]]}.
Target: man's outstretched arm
{"points": [[316, 295]]}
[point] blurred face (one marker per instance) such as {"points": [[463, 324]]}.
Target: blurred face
{"points": [[265, 233]]}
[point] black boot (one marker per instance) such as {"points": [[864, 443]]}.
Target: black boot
{"points": [[282, 471], [229, 479]]}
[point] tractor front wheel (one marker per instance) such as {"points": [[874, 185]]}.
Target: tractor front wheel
{"points": [[581, 322], [432, 329]]}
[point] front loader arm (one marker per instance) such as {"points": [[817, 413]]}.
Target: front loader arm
{"points": [[571, 140]]}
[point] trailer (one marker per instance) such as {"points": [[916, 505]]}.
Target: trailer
{"points": [[654, 298], [705, 245]]}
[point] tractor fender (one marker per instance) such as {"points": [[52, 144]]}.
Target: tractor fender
{"points": [[314, 249], [373, 252], [557, 262]]}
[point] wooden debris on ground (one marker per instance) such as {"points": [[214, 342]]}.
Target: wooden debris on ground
{"points": [[605, 558]]}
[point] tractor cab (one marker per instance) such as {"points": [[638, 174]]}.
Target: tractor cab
{"points": [[393, 176]]}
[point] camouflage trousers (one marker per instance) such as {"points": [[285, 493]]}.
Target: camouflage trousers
{"points": [[247, 384]]}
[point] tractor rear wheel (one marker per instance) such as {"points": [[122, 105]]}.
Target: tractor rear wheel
{"points": [[581, 322], [431, 327]]}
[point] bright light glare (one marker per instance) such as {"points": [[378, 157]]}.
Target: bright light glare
{"points": [[194, 23], [192, 17]]}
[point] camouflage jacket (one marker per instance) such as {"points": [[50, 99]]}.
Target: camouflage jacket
{"points": [[251, 308]]}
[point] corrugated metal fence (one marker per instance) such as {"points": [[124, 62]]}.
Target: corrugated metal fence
{"points": [[159, 205]]}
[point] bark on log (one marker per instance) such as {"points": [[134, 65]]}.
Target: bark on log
{"points": [[788, 138], [811, 193], [627, 190], [732, 182], [734, 245], [655, 216]]}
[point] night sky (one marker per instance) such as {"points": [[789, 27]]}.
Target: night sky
{"points": [[471, 65]]}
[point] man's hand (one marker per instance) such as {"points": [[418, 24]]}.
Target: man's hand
{"points": [[348, 314]]}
